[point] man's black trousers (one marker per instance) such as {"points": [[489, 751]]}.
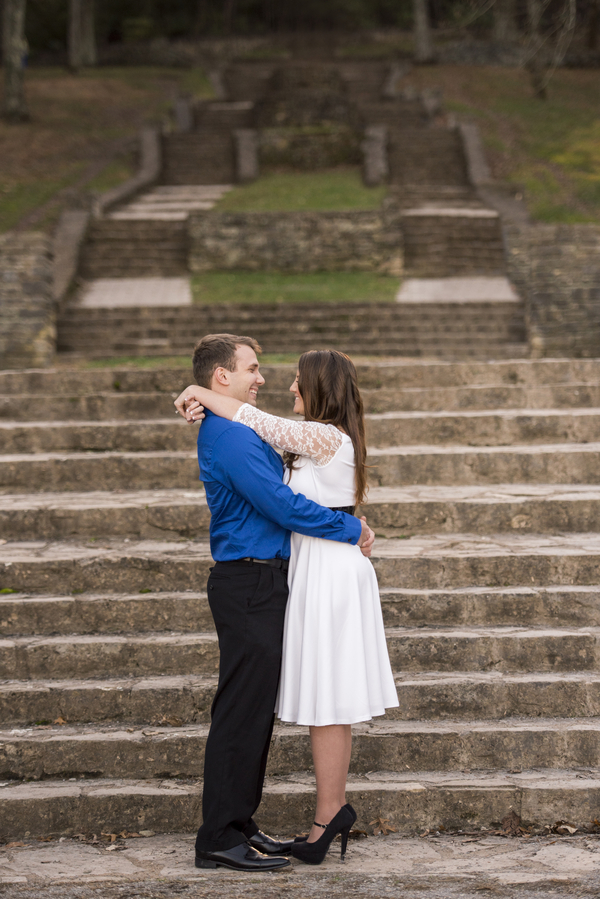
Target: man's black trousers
{"points": [[248, 602]]}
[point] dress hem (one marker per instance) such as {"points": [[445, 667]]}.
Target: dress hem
{"points": [[360, 720]]}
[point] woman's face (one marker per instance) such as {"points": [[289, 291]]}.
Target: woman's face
{"points": [[298, 402]]}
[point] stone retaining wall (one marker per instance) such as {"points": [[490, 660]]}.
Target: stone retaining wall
{"points": [[556, 268], [297, 241], [27, 309]]}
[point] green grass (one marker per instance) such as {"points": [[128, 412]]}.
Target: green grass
{"points": [[115, 173], [334, 190], [77, 121], [280, 287]]}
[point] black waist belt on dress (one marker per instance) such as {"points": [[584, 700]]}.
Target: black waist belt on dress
{"points": [[349, 510]]}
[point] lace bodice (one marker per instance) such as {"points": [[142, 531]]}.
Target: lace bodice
{"points": [[318, 441]]}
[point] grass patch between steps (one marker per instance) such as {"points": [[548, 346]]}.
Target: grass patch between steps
{"points": [[332, 190], [282, 287]]}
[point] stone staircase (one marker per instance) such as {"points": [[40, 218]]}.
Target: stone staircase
{"points": [[205, 155], [485, 500], [443, 329], [132, 248]]}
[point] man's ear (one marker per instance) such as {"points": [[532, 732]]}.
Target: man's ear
{"points": [[222, 376]]}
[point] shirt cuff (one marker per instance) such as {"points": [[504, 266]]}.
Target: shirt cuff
{"points": [[353, 529]]}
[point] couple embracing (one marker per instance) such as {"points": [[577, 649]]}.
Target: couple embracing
{"points": [[279, 528]]}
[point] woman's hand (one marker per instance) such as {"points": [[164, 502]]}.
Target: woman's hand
{"points": [[367, 539], [188, 405]]}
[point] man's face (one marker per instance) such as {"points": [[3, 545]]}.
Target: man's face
{"points": [[246, 379]]}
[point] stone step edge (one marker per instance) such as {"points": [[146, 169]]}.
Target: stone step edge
{"points": [[110, 732], [466, 414], [187, 681], [146, 500], [416, 632], [408, 450], [434, 547], [385, 592], [408, 802]]}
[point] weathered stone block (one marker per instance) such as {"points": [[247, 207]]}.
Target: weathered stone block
{"points": [[296, 241], [27, 311]]}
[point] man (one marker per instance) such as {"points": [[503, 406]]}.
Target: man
{"points": [[252, 515]]}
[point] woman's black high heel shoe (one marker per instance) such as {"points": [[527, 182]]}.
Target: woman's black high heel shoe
{"points": [[314, 853]]}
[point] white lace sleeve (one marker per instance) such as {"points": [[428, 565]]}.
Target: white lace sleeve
{"points": [[306, 438]]}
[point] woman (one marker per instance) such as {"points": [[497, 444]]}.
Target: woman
{"points": [[335, 670]]}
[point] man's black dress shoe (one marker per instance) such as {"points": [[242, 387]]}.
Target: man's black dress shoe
{"points": [[268, 845], [240, 858]]}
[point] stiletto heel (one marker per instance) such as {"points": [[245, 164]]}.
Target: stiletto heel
{"points": [[314, 853], [345, 833]]}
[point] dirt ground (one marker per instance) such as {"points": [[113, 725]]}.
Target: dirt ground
{"points": [[434, 867]]}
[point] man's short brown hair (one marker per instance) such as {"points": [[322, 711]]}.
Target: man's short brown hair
{"points": [[218, 351]]}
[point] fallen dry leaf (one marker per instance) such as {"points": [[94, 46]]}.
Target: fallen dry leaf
{"points": [[60, 720], [566, 828], [171, 721], [111, 836], [44, 839], [383, 826], [511, 825]]}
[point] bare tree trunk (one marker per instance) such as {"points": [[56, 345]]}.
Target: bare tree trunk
{"points": [[505, 22], [593, 25], [422, 32], [229, 10], [536, 64], [82, 41], [200, 19], [14, 49]]}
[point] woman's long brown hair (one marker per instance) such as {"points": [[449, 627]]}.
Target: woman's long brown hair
{"points": [[328, 385]]}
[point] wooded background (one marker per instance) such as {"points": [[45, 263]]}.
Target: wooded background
{"points": [[47, 21]]}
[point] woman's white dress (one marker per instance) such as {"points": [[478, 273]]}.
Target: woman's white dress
{"points": [[336, 668]]}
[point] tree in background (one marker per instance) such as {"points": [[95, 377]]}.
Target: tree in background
{"points": [[505, 21], [422, 32], [14, 53], [82, 39], [547, 41]]}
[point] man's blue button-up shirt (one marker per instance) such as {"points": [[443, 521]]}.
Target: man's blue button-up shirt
{"points": [[252, 510]]}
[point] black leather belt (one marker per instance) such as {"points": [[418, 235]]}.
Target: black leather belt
{"points": [[349, 510], [272, 563]]}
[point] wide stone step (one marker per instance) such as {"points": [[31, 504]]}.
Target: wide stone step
{"points": [[42, 472], [487, 428], [559, 463], [104, 613], [409, 802], [541, 509], [566, 463], [111, 613], [94, 655], [493, 400], [373, 374], [500, 346], [186, 699], [503, 649], [392, 746], [162, 434], [445, 561]]}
